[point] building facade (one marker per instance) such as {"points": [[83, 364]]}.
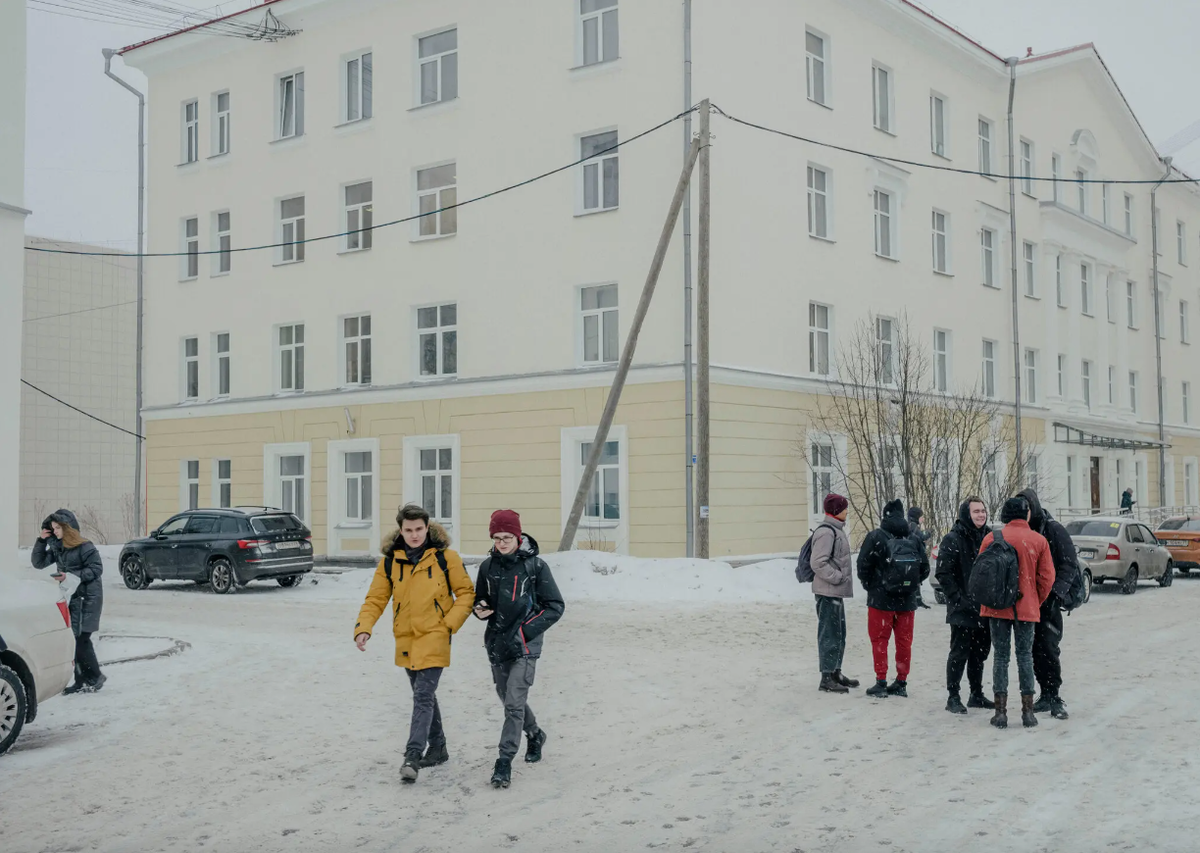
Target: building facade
{"points": [[462, 359]]}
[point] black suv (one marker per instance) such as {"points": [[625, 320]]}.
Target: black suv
{"points": [[223, 548]]}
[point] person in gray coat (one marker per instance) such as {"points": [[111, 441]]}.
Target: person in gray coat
{"points": [[833, 582], [61, 543]]}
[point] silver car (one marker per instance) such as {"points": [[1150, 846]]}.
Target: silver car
{"points": [[1120, 549]]}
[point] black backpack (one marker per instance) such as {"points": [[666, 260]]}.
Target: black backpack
{"points": [[804, 572], [996, 576], [903, 570]]}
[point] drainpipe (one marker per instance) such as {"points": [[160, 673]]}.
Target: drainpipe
{"points": [[1158, 371], [1011, 62], [689, 446], [139, 528]]}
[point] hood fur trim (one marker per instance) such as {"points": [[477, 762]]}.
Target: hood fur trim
{"points": [[438, 538]]}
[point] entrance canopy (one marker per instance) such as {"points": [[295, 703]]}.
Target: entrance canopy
{"points": [[1067, 434]]}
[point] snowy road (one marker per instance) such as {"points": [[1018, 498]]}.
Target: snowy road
{"points": [[675, 726]]}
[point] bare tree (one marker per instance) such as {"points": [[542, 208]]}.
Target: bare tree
{"points": [[91, 523], [129, 516]]}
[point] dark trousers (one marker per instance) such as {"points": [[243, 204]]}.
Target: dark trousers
{"points": [[969, 650], [1003, 633], [87, 665], [831, 632], [1047, 637], [426, 728], [513, 681]]}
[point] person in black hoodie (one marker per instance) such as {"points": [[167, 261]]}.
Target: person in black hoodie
{"points": [[518, 598], [970, 637], [916, 518], [1047, 638], [892, 565]]}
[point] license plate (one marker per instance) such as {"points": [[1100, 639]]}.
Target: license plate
{"points": [[1088, 555], [1175, 543], [287, 546]]}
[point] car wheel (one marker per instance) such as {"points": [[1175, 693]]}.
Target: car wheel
{"points": [[12, 707], [133, 570], [939, 596], [220, 576], [1087, 586], [1129, 584], [1168, 576], [290, 581]]}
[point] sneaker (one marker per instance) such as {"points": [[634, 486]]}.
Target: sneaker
{"points": [[411, 767], [898, 688], [502, 774], [954, 705], [879, 691], [533, 746], [434, 756]]}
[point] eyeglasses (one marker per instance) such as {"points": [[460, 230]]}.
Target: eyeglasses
{"points": [[504, 538]]}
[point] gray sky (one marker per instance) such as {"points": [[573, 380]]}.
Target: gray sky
{"points": [[81, 167]]}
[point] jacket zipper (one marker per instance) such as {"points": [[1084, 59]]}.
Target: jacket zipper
{"points": [[514, 595]]}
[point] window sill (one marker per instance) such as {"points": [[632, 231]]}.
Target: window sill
{"points": [[354, 125], [595, 524], [285, 140], [218, 157], [287, 263], [581, 213], [296, 392], [189, 278], [942, 156], [1063, 307], [887, 258], [819, 104], [990, 286], [219, 274], [604, 63], [596, 365], [430, 238], [1033, 296], [342, 252], [890, 133], [829, 240], [943, 274], [195, 164], [440, 377], [1088, 314], [1029, 195], [433, 106], [989, 177], [354, 525]]}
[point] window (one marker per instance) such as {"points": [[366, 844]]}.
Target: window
{"points": [[985, 145], [815, 66], [358, 485], [1070, 481], [1181, 242], [818, 339], [884, 224], [1056, 175], [1085, 374], [1189, 485], [1027, 252], [941, 360], [359, 216], [600, 172], [291, 105], [1112, 379], [989, 369], [1031, 473], [937, 124], [603, 501], [600, 332], [431, 474], [437, 197], [223, 260], [885, 337], [356, 349], [987, 248], [358, 87], [191, 131], [1104, 203], [1059, 289], [437, 56], [221, 124], [438, 339], [291, 357], [191, 484], [1026, 167], [291, 230], [191, 247], [941, 242], [1109, 307], [222, 351], [1081, 176], [1128, 214], [1131, 304], [1187, 402], [1133, 391], [1030, 376], [1062, 375], [191, 368], [598, 31], [818, 202], [224, 483], [291, 485], [881, 89], [1085, 289], [821, 463], [1185, 336]]}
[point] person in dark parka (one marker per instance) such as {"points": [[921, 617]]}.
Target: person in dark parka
{"points": [[970, 637], [61, 543], [916, 523]]}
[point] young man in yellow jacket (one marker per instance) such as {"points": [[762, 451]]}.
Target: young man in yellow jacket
{"points": [[431, 597]]}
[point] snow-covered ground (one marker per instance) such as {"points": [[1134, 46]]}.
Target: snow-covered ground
{"points": [[681, 703]]}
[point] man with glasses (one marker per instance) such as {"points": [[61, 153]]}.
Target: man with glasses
{"points": [[518, 598]]}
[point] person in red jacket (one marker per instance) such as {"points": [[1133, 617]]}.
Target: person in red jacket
{"points": [[1036, 579]]}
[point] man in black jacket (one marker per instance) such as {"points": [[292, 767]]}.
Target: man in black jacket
{"points": [[970, 638], [1047, 638]]}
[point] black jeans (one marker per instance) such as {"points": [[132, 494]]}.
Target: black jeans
{"points": [[831, 632], [969, 650], [426, 728], [1047, 639], [87, 665]]}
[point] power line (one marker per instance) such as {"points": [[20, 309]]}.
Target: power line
{"points": [[82, 412], [80, 311]]}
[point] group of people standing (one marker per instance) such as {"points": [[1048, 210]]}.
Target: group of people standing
{"points": [[893, 563]]}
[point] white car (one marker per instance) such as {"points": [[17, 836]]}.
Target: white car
{"points": [[37, 650]]}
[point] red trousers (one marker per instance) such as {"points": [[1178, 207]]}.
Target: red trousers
{"points": [[880, 624]]}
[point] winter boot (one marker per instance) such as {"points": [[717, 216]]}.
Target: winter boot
{"points": [[978, 700], [880, 690], [74, 688], [843, 680], [829, 684], [1042, 705], [502, 774], [1000, 718], [954, 705], [533, 746], [1058, 708], [1028, 720], [411, 766], [898, 688], [94, 686], [434, 756]]}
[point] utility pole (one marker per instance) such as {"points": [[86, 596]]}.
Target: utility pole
{"points": [[1011, 62], [689, 447], [1158, 338], [639, 317], [702, 322]]}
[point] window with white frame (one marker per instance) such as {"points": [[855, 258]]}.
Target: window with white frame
{"points": [[292, 490], [885, 224], [290, 100], [1062, 375], [942, 464], [603, 502], [191, 484], [599, 332], [1028, 251], [599, 33], [1109, 300], [221, 348], [358, 485], [989, 369], [816, 67], [358, 73], [991, 474], [1185, 330], [191, 247], [1139, 472], [1128, 214], [1187, 402], [1070, 481], [818, 339], [1085, 375], [290, 357], [938, 124], [1085, 289], [1060, 289], [359, 219], [1112, 382], [1133, 391], [885, 339], [1104, 203], [822, 464], [191, 131], [1181, 242], [1027, 167], [941, 360], [987, 254], [1191, 493], [291, 230], [437, 58], [223, 481], [600, 172], [1056, 175], [437, 195], [1030, 362], [222, 243], [1031, 473], [1131, 304], [941, 242], [191, 368], [818, 202], [1081, 176], [221, 126], [985, 145], [883, 98], [437, 336], [356, 349]]}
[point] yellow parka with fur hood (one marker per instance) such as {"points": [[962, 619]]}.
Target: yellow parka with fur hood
{"points": [[426, 610]]}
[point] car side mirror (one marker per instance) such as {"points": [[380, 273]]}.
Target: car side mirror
{"points": [[158, 534]]}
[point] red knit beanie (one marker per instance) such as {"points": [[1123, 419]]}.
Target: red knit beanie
{"points": [[834, 504], [505, 521]]}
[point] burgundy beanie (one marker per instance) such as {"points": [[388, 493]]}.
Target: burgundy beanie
{"points": [[834, 504], [505, 521]]}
